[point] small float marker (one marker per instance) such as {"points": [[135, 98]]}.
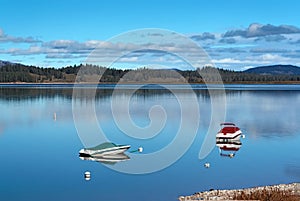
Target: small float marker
{"points": [[243, 136], [87, 176], [207, 165], [54, 116], [140, 150]]}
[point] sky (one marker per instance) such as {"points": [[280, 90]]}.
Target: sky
{"points": [[234, 34]]}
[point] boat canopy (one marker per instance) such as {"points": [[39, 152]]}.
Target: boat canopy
{"points": [[227, 124], [103, 146]]}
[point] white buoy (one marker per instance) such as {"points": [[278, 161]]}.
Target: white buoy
{"points": [[207, 165], [87, 176], [243, 136], [54, 116], [231, 155], [140, 149]]}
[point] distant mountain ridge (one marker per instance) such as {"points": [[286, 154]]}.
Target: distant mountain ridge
{"points": [[275, 70], [4, 63]]}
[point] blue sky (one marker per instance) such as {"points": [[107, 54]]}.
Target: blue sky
{"points": [[235, 34]]}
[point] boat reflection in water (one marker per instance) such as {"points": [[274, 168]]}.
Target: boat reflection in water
{"points": [[107, 159], [107, 153], [228, 148]]}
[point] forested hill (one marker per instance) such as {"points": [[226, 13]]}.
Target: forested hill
{"points": [[11, 72], [3, 63], [275, 70]]}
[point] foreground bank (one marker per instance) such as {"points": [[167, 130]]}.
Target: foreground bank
{"points": [[288, 192]]}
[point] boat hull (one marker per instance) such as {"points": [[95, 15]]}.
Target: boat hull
{"points": [[112, 151], [229, 136], [103, 152]]}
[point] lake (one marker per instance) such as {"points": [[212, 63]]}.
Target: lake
{"points": [[40, 142]]}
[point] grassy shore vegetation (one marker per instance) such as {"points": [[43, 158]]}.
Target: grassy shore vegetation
{"points": [[280, 192], [268, 195], [32, 74]]}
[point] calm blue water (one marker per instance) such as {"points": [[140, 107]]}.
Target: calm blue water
{"points": [[39, 155]]}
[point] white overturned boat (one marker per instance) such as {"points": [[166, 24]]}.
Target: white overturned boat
{"points": [[229, 131], [106, 148]]}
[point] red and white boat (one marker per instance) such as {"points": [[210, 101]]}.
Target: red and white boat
{"points": [[229, 131]]}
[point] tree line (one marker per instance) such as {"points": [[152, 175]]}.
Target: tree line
{"points": [[33, 74]]}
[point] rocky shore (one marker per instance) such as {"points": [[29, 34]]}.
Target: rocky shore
{"points": [[281, 190]]}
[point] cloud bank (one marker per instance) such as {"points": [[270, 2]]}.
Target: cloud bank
{"points": [[236, 49], [257, 30]]}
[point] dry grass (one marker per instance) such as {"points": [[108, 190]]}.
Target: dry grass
{"points": [[267, 195]]}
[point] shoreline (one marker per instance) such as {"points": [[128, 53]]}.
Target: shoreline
{"points": [[139, 83], [292, 189]]}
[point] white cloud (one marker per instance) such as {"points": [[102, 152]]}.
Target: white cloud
{"points": [[4, 38], [128, 59], [247, 67], [273, 58], [256, 30], [228, 60]]}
